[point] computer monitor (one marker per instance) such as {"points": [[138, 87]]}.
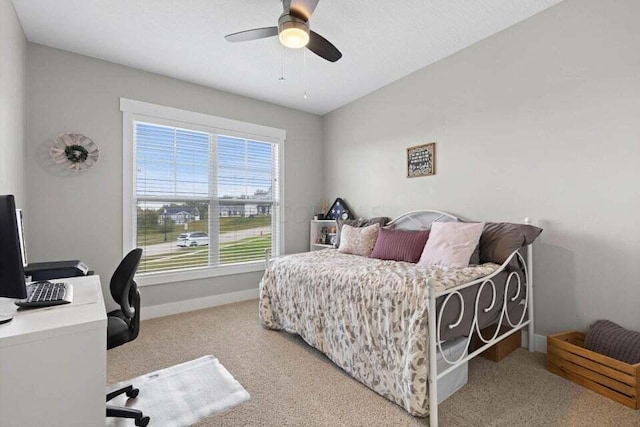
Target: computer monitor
{"points": [[13, 257]]}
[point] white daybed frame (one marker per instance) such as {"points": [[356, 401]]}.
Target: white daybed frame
{"points": [[422, 220]]}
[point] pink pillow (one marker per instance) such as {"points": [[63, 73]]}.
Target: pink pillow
{"points": [[451, 244], [400, 245]]}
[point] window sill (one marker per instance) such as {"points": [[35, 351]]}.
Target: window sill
{"points": [[151, 279]]}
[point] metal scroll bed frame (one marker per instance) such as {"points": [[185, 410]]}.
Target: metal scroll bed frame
{"points": [[514, 285], [422, 220]]}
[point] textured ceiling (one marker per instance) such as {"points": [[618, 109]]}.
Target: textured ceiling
{"points": [[382, 41]]}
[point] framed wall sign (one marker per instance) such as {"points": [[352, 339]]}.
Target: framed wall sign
{"points": [[421, 160]]}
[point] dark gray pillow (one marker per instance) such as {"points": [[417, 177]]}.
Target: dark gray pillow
{"points": [[500, 239], [382, 220], [475, 256], [613, 340]]}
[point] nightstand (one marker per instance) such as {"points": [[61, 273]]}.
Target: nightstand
{"points": [[315, 232]]}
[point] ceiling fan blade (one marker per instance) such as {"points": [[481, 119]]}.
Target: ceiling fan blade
{"points": [[257, 33], [302, 8], [323, 47], [286, 6]]}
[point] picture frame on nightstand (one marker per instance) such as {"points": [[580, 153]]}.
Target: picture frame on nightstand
{"points": [[322, 234]]}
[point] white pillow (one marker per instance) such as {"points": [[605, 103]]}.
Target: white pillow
{"points": [[451, 244], [358, 240]]}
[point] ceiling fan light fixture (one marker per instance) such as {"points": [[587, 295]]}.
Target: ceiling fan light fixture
{"points": [[293, 31], [294, 35]]}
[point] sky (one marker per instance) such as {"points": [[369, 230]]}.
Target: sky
{"points": [[176, 162]]}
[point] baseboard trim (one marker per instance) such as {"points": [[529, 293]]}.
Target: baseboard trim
{"points": [[168, 309], [539, 343]]}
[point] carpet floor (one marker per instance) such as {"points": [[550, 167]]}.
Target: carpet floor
{"points": [[292, 384]]}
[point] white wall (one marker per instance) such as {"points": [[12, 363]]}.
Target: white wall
{"points": [[13, 51], [540, 120], [81, 216]]}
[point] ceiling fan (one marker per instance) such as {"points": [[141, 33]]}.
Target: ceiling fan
{"points": [[293, 30]]}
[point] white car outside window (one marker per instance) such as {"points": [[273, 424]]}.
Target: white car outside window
{"points": [[197, 238]]}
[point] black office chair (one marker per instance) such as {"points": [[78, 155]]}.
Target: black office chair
{"points": [[123, 326]]}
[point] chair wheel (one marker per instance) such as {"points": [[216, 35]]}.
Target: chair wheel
{"points": [[142, 422], [133, 394]]}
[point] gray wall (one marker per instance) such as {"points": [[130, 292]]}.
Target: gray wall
{"points": [[13, 51], [81, 216], [540, 120]]}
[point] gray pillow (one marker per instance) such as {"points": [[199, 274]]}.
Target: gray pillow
{"points": [[475, 256], [500, 239], [382, 220], [613, 340]]}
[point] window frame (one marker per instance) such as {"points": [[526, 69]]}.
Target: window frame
{"points": [[133, 111]]}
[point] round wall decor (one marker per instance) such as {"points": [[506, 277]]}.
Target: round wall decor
{"points": [[74, 151]]}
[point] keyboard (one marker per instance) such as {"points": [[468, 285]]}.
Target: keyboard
{"points": [[45, 294]]}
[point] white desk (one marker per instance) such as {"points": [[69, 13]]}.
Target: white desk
{"points": [[53, 361]]}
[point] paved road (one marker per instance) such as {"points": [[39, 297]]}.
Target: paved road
{"points": [[168, 247]]}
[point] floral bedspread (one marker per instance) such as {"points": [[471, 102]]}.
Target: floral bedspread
{"points": [[368, 316]]}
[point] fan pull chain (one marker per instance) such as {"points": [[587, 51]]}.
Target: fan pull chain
{"points": [[304, 72], [282, 77]]}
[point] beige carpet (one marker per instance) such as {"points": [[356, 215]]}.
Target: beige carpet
{"points": [[293, 385]]}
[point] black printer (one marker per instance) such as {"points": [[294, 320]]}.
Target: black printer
{"points": [[56, 270]]}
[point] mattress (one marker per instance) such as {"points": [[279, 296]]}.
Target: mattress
{"points": [[369, 316], [452, 309]]}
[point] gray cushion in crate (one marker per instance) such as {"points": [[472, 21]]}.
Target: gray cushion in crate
{"points": [[613, 340]]}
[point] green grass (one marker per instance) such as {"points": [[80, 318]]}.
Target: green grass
{"points": [[250, 249], [227, 225]]}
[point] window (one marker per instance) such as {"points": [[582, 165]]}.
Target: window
{"points": [[202, 194]]}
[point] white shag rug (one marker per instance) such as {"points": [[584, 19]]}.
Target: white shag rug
{"points": [[181, 395]]}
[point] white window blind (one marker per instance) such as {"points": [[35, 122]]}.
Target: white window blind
{"points": [[203, 199]]}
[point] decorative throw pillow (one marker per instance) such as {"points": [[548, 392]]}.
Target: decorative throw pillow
{"points": [[400, 245], [500, 239], [382, 220], [451, 244], [358, 240], [611, 339], [475, 256]]}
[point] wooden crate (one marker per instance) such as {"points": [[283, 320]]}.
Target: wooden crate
{"points": [[567, 357], [501, 349]]}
